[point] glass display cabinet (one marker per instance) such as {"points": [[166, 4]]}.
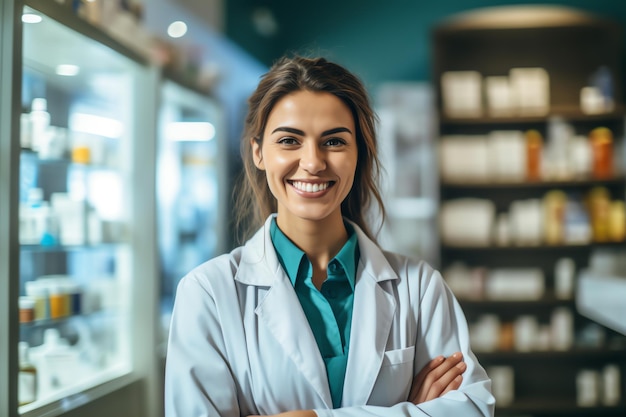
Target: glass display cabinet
{"points": [[82, 257]]}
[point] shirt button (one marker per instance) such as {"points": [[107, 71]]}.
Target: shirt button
{"points": [[333, 267]]}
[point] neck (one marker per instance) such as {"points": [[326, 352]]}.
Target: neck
{"points": [[320, 240]]}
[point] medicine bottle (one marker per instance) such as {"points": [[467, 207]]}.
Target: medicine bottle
{"points": [[617, 221], [554, 203], [39, 122], [599, 202], [27, 377], [38, 292], [534, 145], [26, 309], [59, 301], [602, 151]]}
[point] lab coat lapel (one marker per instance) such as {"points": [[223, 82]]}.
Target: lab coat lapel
{"points": [[372, 317], [281, 313]]}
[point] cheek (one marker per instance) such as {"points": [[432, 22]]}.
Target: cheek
{"points": [[274, 175], [279, 166], [350, 184], [349, 174]]}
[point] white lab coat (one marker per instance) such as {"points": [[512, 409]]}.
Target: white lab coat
{"points": [[240, 343]]}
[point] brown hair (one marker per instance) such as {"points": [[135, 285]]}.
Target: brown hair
{"points": [[254, 200]]}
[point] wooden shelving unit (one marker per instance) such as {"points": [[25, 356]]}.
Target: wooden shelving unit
{"points": [[569, 45]]}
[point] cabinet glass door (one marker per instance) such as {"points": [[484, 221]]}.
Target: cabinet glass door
{"points": [[74, 213], [191, 185]]}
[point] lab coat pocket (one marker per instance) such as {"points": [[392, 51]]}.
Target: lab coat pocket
{"points": [[395, 377]]}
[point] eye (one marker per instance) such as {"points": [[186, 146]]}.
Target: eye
{"points": [[287, 141], [334, 142]]}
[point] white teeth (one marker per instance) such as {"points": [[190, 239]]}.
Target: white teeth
{"points": [[310, 188]]}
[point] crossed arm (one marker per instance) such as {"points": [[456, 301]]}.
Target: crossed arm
{"points": [[438, 377]]}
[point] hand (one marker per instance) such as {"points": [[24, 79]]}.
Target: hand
{"points": [[438, 377]]}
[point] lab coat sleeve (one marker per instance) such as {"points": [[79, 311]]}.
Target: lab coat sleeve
{"points": [[198, 380], [442, 329]]}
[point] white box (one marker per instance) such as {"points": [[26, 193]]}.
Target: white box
{"points": [[531, 87], [462, 93]]}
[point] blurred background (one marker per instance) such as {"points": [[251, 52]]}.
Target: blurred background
{"points": [[502, 139]]}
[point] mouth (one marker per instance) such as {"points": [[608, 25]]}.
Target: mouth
{"points": [[309, 187]]}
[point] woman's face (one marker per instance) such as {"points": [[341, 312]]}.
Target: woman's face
{"points": [[309, 155]]}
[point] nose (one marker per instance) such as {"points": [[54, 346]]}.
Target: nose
{"points": [[312, 159]]}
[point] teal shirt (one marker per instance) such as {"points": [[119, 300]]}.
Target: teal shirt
{"points": [[328, 310]]}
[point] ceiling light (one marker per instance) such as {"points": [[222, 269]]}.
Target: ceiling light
{"points": [[96, 125], [31, 18], [67, 70], [177, 29], [190, 131]]}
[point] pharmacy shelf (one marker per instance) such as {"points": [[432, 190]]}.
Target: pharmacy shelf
{"points": [[545, 381]]}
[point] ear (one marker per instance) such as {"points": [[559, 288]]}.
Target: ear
{"points": [[257, 155]]}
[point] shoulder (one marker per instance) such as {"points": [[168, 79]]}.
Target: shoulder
{"points": [[384, 264], [416, 277], [213, 274], [400, 262]]}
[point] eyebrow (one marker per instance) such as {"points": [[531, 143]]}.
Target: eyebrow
{"points": [[301, 133]]}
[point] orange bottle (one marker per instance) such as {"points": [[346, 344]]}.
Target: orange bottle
{"points": [[534, 145], [602, 151]]}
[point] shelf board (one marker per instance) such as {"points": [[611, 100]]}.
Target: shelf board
{"points": [[65, 17], [549, 355], [485, 304], [571, 114], [539, 248], [55, 322], [70, 248], [558, 407], [507, 185], [64, 161], [85, 388]]}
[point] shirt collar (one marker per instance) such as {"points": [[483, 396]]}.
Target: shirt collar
{"points": [[291, 257]]}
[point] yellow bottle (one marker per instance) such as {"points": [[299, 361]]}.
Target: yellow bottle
{"points": [[599, 207], [554, 211], [617, 221]]}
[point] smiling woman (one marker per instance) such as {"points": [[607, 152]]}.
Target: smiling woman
{"points": [[310, 317], [309, 156]]}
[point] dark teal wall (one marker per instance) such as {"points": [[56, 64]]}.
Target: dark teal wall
{"points": [[380, 40]]}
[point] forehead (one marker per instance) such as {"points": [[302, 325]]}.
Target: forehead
{"points": [[310, 108]]}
